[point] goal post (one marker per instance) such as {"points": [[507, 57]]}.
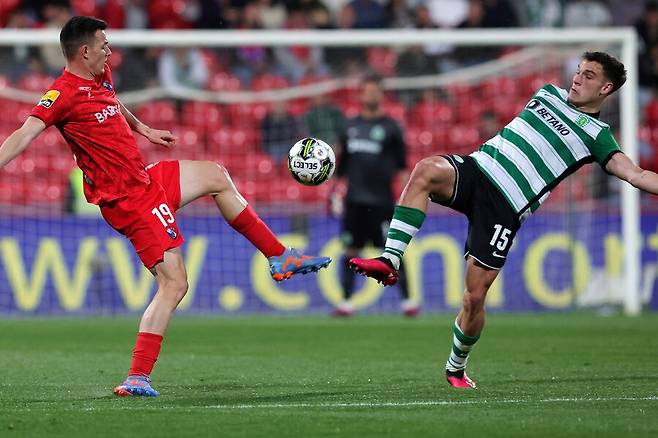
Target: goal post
{"points": [[623, 38]]}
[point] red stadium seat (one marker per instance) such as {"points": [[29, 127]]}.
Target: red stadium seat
{"points": [[6, 8], [651, 112], [223, 81], [160, 114], [167, 14], [462, 139], [429, 114], [202, 114], [36, 82], [114, 14], [269, 82], [500, 87], [85, 7], [395, 110], [382, 59]]}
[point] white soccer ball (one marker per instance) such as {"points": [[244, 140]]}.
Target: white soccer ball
{"points": [[311, 161]]}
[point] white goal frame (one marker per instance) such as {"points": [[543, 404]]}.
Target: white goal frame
{"points": [[625, 37]]}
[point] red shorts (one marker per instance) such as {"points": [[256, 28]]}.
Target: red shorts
{"points": [[147, 218]]}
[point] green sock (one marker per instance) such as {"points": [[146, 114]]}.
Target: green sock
{"points": [[461, 347], [404, 226]]}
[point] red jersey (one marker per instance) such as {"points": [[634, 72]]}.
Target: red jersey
{"points": [[87, 113]]}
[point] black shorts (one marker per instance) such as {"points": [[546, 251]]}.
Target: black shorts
{"points": [[492, 224], [366, 224]]}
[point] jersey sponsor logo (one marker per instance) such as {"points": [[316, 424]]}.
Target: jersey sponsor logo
{"points": [[355, 145], [171, 232], [108, 86], [49, 98], [537, 107], [108, 111]]}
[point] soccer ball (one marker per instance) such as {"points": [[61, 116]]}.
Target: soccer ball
{"points": [[311, 161]]}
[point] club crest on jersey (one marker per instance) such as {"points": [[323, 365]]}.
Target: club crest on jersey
{"points": [[172, 233], [107, 85], [49, 98], [582, 121]]}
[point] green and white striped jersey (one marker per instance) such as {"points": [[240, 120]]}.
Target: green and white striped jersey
{"points": [[549, 140]]}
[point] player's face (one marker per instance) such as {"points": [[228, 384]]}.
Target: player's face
{"points": [[372, 95], [97, 52], [589, 84]]}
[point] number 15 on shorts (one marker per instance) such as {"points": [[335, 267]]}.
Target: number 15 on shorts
{"points": [[500, 237], [163, 213]]}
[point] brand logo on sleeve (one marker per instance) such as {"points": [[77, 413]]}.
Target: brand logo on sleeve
{"points": [[49, 98], [107, 85]]}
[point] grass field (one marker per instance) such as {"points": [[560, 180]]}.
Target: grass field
{"points": [[538, 375]]}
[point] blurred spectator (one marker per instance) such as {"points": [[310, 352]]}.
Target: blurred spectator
{"points": [[14, 60], [323, 120], [475, 19], [540, 13], [279, 130], [647, 30], [250, 61], [363, 14], [56, 14], [139, 69], [136, 15], [414, 61], [586, 13], [399, 15], [447, 13], [182, 68], [298, 61], [489, 126], [499, 13], [272, 14]]}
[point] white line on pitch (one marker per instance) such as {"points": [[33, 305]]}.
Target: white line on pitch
{"points": [[339, 405]]}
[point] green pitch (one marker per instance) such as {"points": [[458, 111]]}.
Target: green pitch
{"points": [[538, 375]]}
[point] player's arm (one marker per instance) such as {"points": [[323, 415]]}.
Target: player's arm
{"points": [[623, 167], [20, 139], [157, 136]]}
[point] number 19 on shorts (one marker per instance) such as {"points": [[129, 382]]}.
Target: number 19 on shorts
{"points": [[164, 214]]}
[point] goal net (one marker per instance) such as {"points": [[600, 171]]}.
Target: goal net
{"points": [[245, 99]]}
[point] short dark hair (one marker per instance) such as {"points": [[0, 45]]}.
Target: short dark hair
{"points": [[78, 31], [613, 69]]}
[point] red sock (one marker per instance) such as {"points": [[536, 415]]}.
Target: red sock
{"points": [[250, 226], [147, 349]]}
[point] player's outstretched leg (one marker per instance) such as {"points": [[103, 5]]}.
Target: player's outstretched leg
{"points": [[433, 175], [292, 262], [202, 178]]}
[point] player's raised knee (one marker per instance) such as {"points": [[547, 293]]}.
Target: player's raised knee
{"points": [[430, 169], [217, 176]]}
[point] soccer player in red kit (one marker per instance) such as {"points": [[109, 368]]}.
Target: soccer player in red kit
{"points": [[139, 201]]}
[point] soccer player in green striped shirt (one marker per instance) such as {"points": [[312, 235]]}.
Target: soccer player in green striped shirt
{"points": [[506, 180]]}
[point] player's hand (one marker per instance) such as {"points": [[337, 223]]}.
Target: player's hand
{"points": [[161, 137]]}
